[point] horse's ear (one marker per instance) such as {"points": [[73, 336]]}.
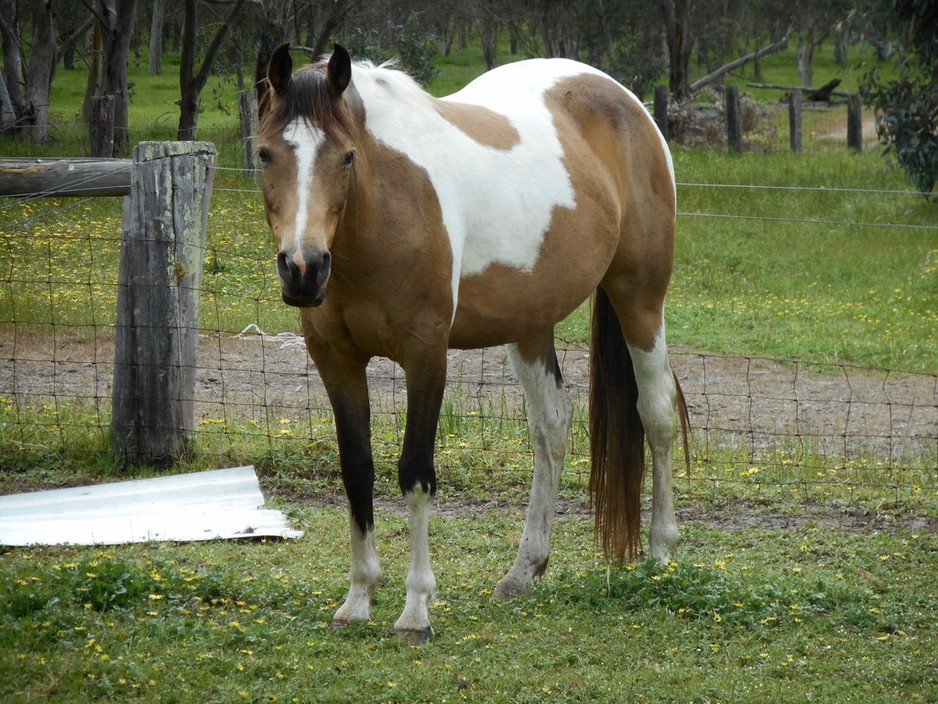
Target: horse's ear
{"points": [[339, 71], [280, 69]]}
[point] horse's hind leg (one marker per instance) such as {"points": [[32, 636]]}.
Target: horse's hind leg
{"points": [[657, 398], [549, 417], [639, 309]]}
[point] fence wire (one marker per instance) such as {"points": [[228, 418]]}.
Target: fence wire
{"points": [[799, 428]]}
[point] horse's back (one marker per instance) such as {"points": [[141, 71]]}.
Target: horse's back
{"points": [[619, 212]]}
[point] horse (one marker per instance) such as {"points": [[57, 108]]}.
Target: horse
{"points": [[407, 225]]}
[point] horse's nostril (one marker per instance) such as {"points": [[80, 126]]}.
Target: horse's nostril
{"points": [[286, 268]]}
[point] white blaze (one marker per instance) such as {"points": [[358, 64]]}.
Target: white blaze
{"points": [[305, 140]]}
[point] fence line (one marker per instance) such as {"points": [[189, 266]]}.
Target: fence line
{"points": [[779, 423]]}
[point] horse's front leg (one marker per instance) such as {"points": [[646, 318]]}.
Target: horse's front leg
{"points": [[347, 386], [426, 378]]}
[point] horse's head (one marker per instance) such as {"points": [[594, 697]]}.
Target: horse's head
{"points": [[306, 150]]}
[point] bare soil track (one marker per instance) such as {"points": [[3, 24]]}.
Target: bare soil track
{"points": [[738, 401]]}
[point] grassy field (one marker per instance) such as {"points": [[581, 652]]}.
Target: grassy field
{"points": [[748, 615], [778, 593]]}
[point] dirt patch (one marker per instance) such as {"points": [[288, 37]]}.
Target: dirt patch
{"points": [[757, 403], [827, 408]]}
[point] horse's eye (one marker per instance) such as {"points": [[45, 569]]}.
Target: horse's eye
{"points": [[348, 160], [264, 155]]}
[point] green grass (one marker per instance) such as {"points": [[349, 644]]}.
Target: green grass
{"points": [[743, 616]]}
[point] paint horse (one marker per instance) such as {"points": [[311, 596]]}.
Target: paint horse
{"points": [[406, 225]]}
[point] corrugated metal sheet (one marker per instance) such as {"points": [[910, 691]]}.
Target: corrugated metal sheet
{"points": [[224, 503]]}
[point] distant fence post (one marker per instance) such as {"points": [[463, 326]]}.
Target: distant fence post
{"points": [[661, 110], [162, 250], [854, 123], [247, 106], [102, 126], [794, 121], [734, 124]]}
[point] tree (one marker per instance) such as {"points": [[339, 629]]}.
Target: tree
{"points": [[157, 11], [24, 95], [40, 71], [12, 61], [676, 19], [191, 82], [907, 106], [115, 25], [814, 21]]}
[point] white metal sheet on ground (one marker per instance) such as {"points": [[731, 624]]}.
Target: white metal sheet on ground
{"points": [[223, 503]]}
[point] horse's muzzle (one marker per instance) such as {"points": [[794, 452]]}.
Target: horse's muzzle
{"points": [[303, 285]]}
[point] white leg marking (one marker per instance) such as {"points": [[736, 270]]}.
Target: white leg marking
{"points": [[657, 395], [549, 417], [364, 575], [421, 584]]}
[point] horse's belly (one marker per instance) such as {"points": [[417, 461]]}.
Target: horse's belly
{"points": [[503, 305]]}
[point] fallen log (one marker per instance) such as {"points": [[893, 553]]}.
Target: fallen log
{"points": [[754, 56]]}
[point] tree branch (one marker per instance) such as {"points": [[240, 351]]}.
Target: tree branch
{"points": [[726, 68], [74, 38], [217, 40]]}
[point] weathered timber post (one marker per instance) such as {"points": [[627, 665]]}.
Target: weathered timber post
{"points": [[734, 123], [794, 121], [661, 110], [855, 123], [247, 107], [160, 279], [102, 126]]}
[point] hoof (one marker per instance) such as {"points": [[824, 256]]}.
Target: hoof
{"points": [[416, 636], [339, 623], [509, 589]]}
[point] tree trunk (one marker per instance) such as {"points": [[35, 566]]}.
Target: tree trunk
{"points": [[188, 96], [117, 19], [191, 83], [12, 58], [156, 38], [676, 14], [7, 113], [94, 70], [806, 60], [489, 36], [39, 73]]}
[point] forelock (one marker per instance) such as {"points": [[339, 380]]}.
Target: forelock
{"points": [[310, 98]]}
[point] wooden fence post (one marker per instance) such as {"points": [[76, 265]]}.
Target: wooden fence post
{"points": [[661, 110], [247, 107], [794, 120], [102, 126], [156, 344], [855, 123], [734, 123]]}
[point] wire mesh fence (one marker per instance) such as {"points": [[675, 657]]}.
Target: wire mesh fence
{"points": [[792, 427]]}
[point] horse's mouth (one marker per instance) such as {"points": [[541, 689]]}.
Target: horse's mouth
{"points": [[302, 302]]}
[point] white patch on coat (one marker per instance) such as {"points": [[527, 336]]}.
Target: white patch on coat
{"points": [[497, 205], [306, 141]]}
